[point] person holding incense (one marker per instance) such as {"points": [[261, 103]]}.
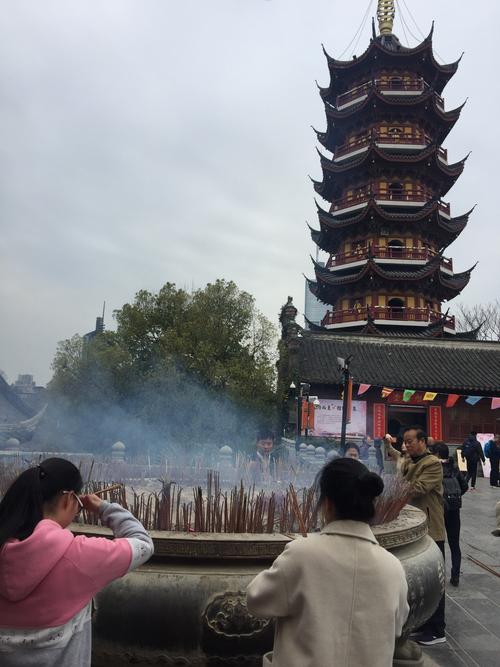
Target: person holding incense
{"points": [[47, 575], [337, 594]]}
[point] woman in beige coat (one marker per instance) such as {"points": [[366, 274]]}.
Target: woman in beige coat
{"points": [[339, 599]]}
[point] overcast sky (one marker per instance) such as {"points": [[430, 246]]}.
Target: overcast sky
{"points": [[146, 141]]}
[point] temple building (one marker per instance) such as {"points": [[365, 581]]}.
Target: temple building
{"points": [[386, 227]]}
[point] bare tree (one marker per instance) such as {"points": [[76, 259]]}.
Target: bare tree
{"points": [[485, 315]]}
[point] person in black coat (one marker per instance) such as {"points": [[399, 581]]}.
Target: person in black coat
{"points": [[454, 486], [472, 452]]}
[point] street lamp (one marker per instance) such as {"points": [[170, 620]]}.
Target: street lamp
{"points": [[343, 366]]}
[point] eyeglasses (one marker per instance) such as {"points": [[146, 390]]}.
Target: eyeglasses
{"points": [[80, 504]]}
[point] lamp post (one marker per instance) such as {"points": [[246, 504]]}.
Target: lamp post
{"points": [[302, 393], [343, 366]]}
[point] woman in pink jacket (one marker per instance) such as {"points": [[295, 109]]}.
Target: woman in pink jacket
{"points": [[47, 575]]}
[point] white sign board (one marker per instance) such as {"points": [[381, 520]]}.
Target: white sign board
{"points": [[328, 418], [483, 439]]}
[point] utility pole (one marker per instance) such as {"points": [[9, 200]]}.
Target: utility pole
{"points": [[344, 368]]}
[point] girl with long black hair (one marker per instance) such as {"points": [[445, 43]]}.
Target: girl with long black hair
{"points": [[47, 575]]}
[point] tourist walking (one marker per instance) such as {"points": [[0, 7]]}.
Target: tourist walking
{"points": [[492, 451], [454, 487], [337, 596], [471, 453], [423, 471], [48, 576]]}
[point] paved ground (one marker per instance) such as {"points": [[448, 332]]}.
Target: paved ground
{"points": [[473, 609]]}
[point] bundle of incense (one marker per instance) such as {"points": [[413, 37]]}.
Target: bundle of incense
{"points": [[108, 488]]}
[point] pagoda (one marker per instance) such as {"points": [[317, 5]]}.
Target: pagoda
{"points": [[388, 223]]}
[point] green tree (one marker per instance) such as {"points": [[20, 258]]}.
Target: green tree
{"points": [[180, 368]]}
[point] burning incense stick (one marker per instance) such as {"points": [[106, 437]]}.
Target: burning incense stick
{"points": [[108, 488]]}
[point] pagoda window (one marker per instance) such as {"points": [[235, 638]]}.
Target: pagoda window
{"points": [[397, 307], [395, 248], [394, 131], [396, 83], [396, 190]]}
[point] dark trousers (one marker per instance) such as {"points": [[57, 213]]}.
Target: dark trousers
{"points": [[494, 475], [471, 471], [436, 624], [452, 523]]}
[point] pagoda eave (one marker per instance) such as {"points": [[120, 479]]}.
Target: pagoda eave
{"points": [[374, 155], [390, 53], [374, 98], [429, 278]]}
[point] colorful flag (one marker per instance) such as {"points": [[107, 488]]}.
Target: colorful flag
{"points": [[472, 400], [451, 400], [386, 392], [362, 388], [407, 394], [495, 403], [430, 395]]}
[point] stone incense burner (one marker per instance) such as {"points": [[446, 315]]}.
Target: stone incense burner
{"points": [[187, 605]]}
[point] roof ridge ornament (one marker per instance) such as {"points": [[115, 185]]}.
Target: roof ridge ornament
{"points": [[385, 16]]}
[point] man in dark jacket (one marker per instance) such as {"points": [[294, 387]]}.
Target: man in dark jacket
{"points": [[471, 453], [492, 451], [454, 486]]}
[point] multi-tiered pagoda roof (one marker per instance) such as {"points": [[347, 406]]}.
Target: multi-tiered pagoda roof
{"points": [[386, 227]]}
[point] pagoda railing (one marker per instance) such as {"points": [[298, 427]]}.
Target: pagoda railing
{"points": [[395, 139], [386, 252], [363, 313], [417, 86], [363, 196]]}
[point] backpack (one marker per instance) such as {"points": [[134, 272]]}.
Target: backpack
{"points": [[452, 493], [487, 448]]}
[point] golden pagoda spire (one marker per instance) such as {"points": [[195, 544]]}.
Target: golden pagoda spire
{"points": [[385, 16]]}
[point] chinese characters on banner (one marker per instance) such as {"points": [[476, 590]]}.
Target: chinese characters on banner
{"points": [[435, 422], [328, 418], [379, 420]]}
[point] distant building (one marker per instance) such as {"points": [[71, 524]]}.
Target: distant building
{"points": [[30, 393], [99, 329], [314, 309]]}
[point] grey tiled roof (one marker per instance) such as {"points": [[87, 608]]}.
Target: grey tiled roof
{"points": [[442, 365]]}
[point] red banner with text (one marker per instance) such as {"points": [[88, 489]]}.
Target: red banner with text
{"points": [[378, 420], [435, 422]]}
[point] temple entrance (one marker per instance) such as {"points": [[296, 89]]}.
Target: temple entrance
{"points": [[400, 417]]}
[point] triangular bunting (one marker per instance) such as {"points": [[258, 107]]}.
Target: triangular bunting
{"points": [[407, 394], [430, 395], [386, 392], [472, 400], [495, 403], [451, 400], [362, 388]]}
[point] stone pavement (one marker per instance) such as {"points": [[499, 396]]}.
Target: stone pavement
{"points": [[473, 609]]}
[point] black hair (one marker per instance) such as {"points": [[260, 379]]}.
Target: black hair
{"points": [[441, 450], [351, 487], [350, 445], [420, 433], [22, 506], [474, 433], [265, 434]]}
